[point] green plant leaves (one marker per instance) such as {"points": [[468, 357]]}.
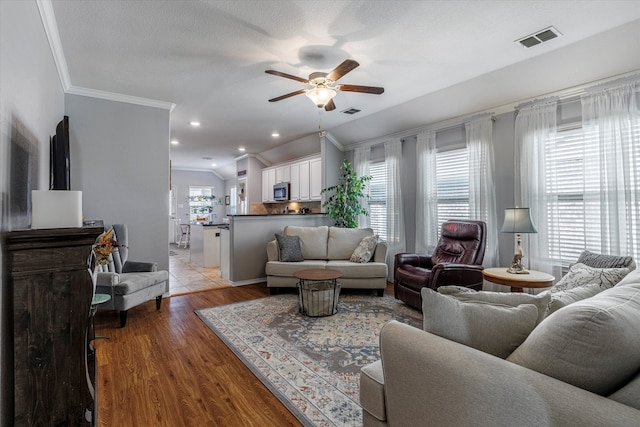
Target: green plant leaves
{"points": [[343, 204]]}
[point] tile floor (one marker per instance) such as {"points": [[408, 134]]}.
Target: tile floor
{"points": [[186, 277]]}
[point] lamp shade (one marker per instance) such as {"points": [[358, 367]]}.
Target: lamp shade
{"points": [[320, 95], [518, 220]]}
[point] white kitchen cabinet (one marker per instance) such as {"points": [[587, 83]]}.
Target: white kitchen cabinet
{"points": [[304, 180], [283, 174], [271, 181], [265, 185], [315, 179], [294, 188]]}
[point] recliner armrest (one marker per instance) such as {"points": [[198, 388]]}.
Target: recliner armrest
{"points": [[139, 267], [456, 274], [416, 260]]}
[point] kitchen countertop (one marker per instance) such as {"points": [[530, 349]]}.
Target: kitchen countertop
{"points": [[289, 214]]}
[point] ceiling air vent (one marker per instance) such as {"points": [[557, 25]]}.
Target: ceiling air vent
{"points": [[539, 37], [351, 111]]}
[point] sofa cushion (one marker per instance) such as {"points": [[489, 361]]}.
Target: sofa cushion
{"points": [[496, 329], [313, 240], [132, 282], [580, 274], [357, 270], [632, 277], [343, 241], [605, 261], [561, 299], [629, 394], [364, 252], [372, 390], [593, 344], [279, 268], [512, 299], [289, 248]]}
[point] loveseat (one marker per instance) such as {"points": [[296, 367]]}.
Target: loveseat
{"points": [[328, 248], [577, 366]]}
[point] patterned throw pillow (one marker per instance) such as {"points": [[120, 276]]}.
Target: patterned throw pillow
{"points": [[604, 261], [580, 275], [289, 246], [365, 249]]}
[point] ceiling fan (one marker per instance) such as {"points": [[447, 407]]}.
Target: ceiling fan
{"points": [[324, 87]]}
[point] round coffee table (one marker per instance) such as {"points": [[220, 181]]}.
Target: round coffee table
{"points": [[535, 279], [318, 291]]}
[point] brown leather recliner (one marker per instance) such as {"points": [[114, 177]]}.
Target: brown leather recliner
{"points": [[456, 260]]}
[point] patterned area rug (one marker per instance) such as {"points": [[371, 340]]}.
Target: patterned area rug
{"points": [[312, 364]]}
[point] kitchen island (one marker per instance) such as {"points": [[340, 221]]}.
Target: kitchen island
{"points": [[244, 244], [204, 244]]}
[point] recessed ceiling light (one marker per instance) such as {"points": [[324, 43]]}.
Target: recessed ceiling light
{"points": [[213, 165], [242, 149], [275, 134], [175, 142], [194, 123]]}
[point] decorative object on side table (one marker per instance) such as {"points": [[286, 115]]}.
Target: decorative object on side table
{"points": [[518, 221]]}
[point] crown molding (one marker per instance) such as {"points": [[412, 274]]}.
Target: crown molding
{"points": [[112, 96], [53, 36], [332, 139]]}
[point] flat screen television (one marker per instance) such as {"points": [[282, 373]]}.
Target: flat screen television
{"points": [[60, 177]]}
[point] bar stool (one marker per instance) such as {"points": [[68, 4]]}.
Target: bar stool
{"points": [[185, 230]]}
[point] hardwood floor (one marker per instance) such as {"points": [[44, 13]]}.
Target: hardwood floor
{"points": [[167, 368]]}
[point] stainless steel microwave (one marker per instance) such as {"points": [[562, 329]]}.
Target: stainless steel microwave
{"points": [[281, 191]]}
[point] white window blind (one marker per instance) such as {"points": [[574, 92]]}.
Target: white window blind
{"points": [[378, 198], [453, 185], [574, 197]]}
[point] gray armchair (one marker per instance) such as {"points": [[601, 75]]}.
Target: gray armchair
{"points": [[129, 283]]}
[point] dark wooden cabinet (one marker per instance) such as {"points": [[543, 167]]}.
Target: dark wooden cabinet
{"points": [[50, 287]]}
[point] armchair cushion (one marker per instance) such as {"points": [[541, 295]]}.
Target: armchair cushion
{"points": [[139, 267], [496, 329], [132, 282]]}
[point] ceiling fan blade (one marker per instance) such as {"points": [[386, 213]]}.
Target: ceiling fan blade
{"points": [[362, 89], [289, 95], [330, 105], [342, 69], [287, 76]]}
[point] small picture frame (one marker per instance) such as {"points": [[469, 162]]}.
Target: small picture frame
{"points": [[227, 200]]}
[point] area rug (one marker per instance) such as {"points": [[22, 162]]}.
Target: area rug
{"points": [[312, 364]]}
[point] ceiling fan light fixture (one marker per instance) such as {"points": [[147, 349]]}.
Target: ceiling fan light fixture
{"points": [[320, 95]]}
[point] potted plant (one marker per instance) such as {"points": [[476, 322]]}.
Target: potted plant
{"points": [[343, 205]]}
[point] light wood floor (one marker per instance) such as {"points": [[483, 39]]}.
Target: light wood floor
{"points": [[166, 368], [186, 277]]}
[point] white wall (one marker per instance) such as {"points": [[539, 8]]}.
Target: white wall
{"points": [[120, 161], [31, 104], [182, 179]]}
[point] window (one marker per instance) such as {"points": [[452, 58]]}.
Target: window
{"points": [[378, 198], [453, 185], [575, 200]]}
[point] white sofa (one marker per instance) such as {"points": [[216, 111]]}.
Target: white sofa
{"points": [[329, 248], [580, 366]]}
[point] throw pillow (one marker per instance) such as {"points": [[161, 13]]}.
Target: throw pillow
{"points": [[365, 249], [496, 329], [633, 277], [593, 344], [289, 247], [604, 261], [580, 274], [561, 299], [512, 299]]}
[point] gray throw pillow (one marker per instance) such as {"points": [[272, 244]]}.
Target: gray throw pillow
{"points": [[289, 247], [593, 344], [604, 261], [496, 329], [365, 249], [512, 299], [580, 275]]}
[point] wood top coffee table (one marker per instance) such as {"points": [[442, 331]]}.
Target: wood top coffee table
{"points": [[318, 291], [535, 279]]}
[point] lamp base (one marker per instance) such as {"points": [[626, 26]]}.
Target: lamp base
{"points": [[516, 265]]}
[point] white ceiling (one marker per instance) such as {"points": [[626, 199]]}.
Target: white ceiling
{"points": [[435, 59]]}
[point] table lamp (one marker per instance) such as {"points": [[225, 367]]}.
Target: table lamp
{"points": [[518, 221]]}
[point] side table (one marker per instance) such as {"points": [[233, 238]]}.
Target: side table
{"points": [[318, 291], [535, 279]]}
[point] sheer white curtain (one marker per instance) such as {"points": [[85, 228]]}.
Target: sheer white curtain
{"points": [[395, 213], [361, 162], [482, 202], [612, 116], [534, 125], [426, 193]]}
